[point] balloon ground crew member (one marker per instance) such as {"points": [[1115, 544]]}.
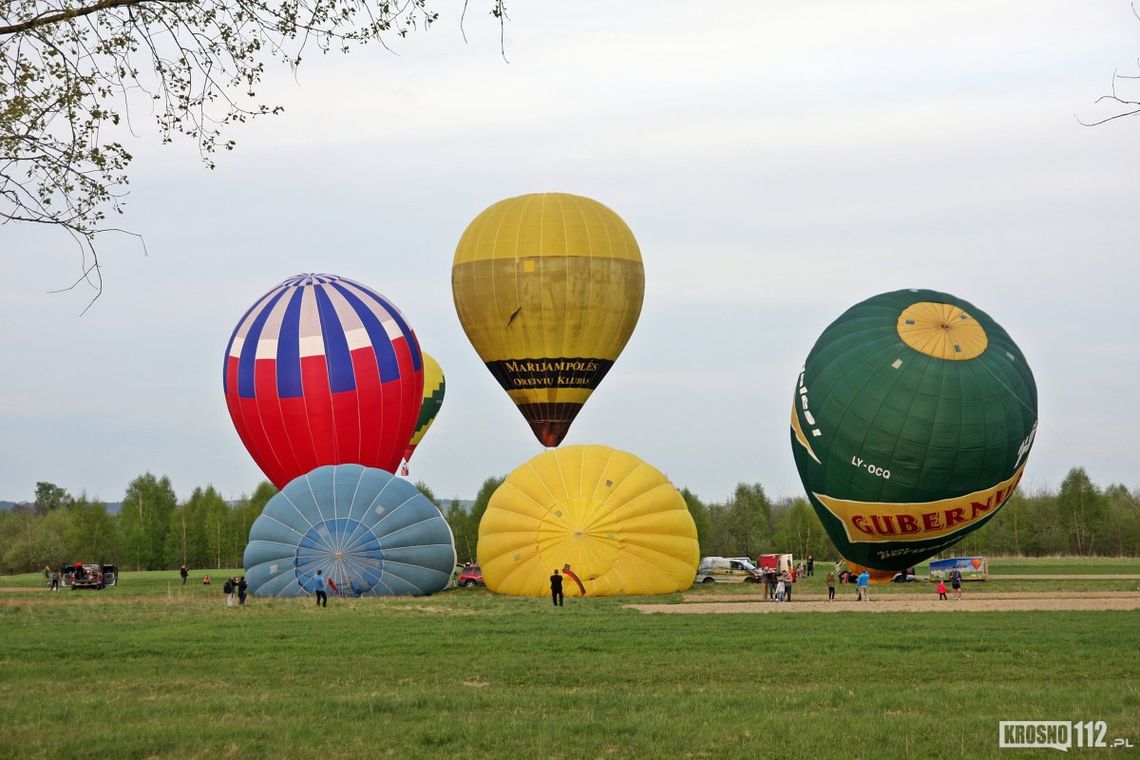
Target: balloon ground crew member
{"points": [[556, 588], [322, 597]]}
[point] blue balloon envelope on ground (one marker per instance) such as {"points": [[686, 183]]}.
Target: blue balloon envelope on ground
{"points": [[370, 533]]}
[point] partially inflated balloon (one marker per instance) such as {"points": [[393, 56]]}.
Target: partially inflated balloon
{"points": [[548, 288], [911, 423], [368, 532], [323, 370], [432, 401], [614, 521]]}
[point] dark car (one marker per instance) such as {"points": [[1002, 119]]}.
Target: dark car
{"points": [[470, 576]]}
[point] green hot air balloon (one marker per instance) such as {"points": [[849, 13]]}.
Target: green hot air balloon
{"points": [[911, 423]]}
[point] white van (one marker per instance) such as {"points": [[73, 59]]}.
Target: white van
{"points": [[727, 570]]}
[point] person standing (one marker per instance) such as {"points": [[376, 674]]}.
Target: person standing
{"points": [[242, 589], [55, 579], [319, 584], [228, 590], [956, 584], [556, 588], [810, 565], [831, 585], [184, 573], [780, 589], [788, 586], [942, 590], [864, 586]]}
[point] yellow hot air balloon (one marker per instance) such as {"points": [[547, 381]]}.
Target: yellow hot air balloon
{"points": [[434, 386], [548, 288], [616, 523]]}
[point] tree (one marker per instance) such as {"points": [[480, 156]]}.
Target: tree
{"points": [[219, 530], [1124, 511], [91, 533], [245, 512], [1081, 509], [749, 519], [186, 538], [49, 497], [20, 553], [423, 488], [800, 532], [144, 521], [72, 72], [50, 547], [483, 498], [465, 533], [700, 519]]}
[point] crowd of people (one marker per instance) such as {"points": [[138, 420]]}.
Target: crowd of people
{"points": [[778, 583]]}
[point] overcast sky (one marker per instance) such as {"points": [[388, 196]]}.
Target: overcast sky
{"points": [[777, 163]]}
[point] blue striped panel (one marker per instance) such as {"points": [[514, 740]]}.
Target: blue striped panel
{"points": [[381, 344], [289, 349], [409, 336], [249, 348], [341, 376], [230, 345]]}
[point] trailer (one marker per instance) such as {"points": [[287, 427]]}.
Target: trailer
{"points": [[969, 568]]}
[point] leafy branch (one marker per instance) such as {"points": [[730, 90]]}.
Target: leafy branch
{"points": [[71, 71]]}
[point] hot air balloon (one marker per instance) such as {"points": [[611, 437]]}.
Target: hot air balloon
{"points": [[429, 407], [911, 423], [548, 288], [369, 532], [614, 522], [323, 370]]}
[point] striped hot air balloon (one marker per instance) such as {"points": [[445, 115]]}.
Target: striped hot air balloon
{"points": [[323, 370]]}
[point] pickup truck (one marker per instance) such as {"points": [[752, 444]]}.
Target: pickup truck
{"points": [[90, 575]]}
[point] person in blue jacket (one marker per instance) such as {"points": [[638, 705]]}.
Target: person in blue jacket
{"points": [[319, 585]]}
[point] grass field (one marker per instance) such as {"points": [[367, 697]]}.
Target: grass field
{"points": [[151, 669]]}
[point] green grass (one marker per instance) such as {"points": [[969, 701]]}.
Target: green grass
{"points": [[1082, 565], [151, 669]]}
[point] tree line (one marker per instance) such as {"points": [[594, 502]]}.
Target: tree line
{"points": [[153, 530]]}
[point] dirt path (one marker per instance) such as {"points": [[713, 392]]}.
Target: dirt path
{"points": [[994, 602]]}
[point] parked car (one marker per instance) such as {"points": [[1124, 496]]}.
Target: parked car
{"points": [[727, 569], [471, 575], [89, 575]]}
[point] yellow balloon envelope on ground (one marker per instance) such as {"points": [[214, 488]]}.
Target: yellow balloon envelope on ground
{"points": [[548, 288], [617, 522]]}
